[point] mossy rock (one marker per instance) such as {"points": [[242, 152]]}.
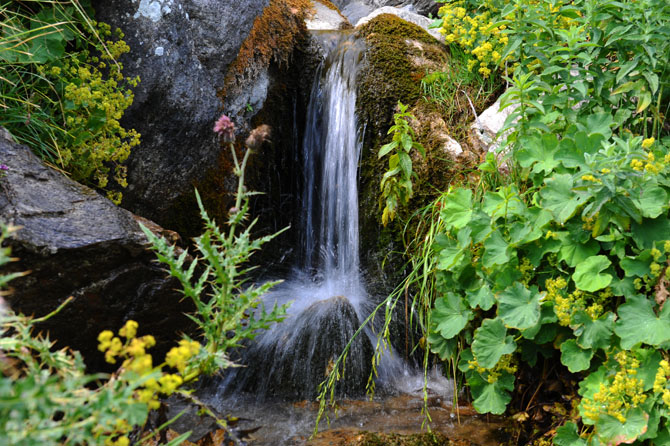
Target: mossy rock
{"points": [[425, 439], [398, 56]]}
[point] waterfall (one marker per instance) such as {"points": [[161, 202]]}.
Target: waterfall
{"points": [[331, 152], [327, 295]]}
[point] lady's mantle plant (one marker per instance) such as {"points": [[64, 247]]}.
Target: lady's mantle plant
{"points": [[571, 262]]}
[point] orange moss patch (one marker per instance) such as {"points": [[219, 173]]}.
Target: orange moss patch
{"points": [[329, 4], [273, 37]]}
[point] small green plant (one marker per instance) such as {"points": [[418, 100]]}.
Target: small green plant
{"points": [[62, 91], [217, 281], [396, 184]]}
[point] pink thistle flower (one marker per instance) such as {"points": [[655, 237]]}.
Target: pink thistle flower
{"points": [[225, 127]]}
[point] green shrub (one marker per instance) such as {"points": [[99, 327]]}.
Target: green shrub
{"points": [[46, 396], [63, 92], [570, 262]]}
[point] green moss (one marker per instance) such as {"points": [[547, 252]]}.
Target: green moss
{"points": [[426, 439], [393, 74], [392, 25]]}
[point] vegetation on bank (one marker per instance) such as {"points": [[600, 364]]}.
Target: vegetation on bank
{"points": [[62, 90], [561, 256], [46, 396]]}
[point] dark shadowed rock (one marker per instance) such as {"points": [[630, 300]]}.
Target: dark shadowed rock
{"points": [[76, 243], [294, 357]]}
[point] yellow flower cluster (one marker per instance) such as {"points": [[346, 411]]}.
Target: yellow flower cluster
{"points": [[138, 361], [564, 306], [661, 381], [473, 31], [95, 143], [591, 178], [626, 391], [506, 363], [527, 270], [178, 357]]}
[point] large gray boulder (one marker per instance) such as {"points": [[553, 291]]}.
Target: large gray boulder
{"points": [[181, 49], [77, 243]]}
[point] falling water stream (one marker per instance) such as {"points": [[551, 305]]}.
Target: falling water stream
{"points": [[326, 291]]}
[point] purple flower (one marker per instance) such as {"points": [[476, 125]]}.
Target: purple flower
{"points": [[225, 127], [4, 167]]}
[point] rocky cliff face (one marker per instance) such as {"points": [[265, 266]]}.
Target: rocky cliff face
{"points": [[76, 243]]}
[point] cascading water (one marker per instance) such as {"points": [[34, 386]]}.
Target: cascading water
{"points": [[327, 294], [328, 298]]}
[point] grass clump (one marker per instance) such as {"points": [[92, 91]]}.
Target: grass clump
{"points": [[63, 92]]}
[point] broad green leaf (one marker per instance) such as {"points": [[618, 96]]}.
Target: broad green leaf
{"points": [[559, 198], [450, 256], [406, 141], [483, 298], [450, 315], [386, 148], [496, 250], [457, 209], [589, 276], [567, 435], [544, 331], [518, 307], [643, 101], [491, 342], [650, 231], [405, 164], [444, 348], [573, 253], [574, 357], [653, 201], [639, 324], [649, 362], [538, 152], [600, 123], [493, 397], [639, 266], [613, 432], [593, 334]]}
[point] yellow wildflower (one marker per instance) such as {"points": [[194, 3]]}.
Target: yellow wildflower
{"points": [[129, 330], [648, 143]]}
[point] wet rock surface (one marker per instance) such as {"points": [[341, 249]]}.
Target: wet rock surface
{"points": [[294, 357], [77, 243]]}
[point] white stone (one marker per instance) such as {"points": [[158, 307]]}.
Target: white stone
{"points": [[489, 123], [405, 14], [325, 18], [153, 9], [452, 147], [159, 51]]}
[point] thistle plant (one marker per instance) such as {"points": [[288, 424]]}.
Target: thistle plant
{"points": [[227, 305]]}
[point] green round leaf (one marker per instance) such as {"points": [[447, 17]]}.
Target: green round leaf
{"points": [[639, 324], [518, 307], [574, 357], [491, 342], [588, 275], [450, 315], [457, 209]]}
